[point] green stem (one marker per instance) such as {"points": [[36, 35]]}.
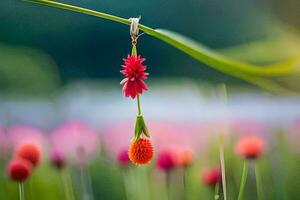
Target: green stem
{"points": [[21, 191], [138, 104], [168, 184], [85, 184], [216, 194], [243, 180], [68, 187], [223, 169], [259, 188]]}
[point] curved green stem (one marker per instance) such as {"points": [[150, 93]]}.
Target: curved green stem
{"points": [[243, 180], [258, 75]]}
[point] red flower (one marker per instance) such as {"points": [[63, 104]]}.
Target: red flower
{"points": [[30, 152], [135, 75], [211, 176], [166, 161], [19, 169], [141, 151], [250, 147]]}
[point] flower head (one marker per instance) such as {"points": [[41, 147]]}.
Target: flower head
{"points": [[123, 158], [250, 147], [135, 75], [210, 176], [166, 160], [184, 157], [77, 141], [20, 134], [19, 169], [58, 160], [141, 151], [30, 152]]}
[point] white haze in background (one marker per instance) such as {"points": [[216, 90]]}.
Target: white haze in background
{"points": [[185, 101]]}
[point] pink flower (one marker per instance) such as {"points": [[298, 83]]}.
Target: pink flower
{"points": [[123, 158], [76, 140], [166, 160], [5, 143], [57, 159], [170, 135], [135, 75], [20, 134]]}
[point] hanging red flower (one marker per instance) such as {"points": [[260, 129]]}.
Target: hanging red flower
{"points": [[135, 75]]}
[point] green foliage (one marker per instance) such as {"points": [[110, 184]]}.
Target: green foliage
{"points": [[26, 71]]}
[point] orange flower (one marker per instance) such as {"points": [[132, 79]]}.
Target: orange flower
{"points": [[250, 147], [184, 157], [141, 151], [30, 152]]}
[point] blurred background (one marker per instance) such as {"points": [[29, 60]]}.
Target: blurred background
{"points": [[58, 66]]}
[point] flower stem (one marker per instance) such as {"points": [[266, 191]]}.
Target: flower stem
{"points": [[243, 180], [138, 104], [259, 188], [21, 191], [87, 192], [66, 178], [222, 162], [224, 99], [216, 194], [168, 184]]}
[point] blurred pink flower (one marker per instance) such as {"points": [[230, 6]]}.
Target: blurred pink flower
{"points": [[76, 140], [5, 143], [123, 158], [293, 136], [166, 160], [20, 134], [165, 136], [58, 159], [210, 176], [248, 127]]}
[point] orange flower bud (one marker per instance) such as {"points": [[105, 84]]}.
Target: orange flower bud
{"points": [[141, 151]]}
